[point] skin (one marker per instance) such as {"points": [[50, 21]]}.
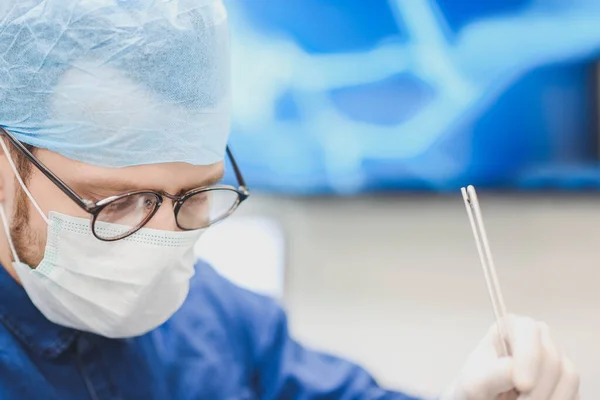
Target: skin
{"points": [[28, 229]]}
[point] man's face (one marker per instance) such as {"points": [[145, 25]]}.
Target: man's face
{"points": [[28, 229]]}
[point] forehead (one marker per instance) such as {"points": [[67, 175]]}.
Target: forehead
{"points": [[170, 177]]}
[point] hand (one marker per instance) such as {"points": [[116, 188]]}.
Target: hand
{"points": [[537, 370]]}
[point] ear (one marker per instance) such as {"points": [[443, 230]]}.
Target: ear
{"points": [[4, 173], [7, 175]]}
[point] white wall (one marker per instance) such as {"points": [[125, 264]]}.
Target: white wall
{"points": [[395, 283]]}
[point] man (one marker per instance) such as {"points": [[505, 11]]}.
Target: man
{"points": [[115, 123]]}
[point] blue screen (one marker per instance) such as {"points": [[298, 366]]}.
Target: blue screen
{"points": [[347, 96]]}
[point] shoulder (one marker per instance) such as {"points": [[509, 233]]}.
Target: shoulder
{"points": [[222, 296], [11, 350], [217, 310], [199, 347], [211, 298], [15, 363], [217, 294]]}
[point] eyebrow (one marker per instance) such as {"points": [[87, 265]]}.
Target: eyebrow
{"points": [[118, 187]]}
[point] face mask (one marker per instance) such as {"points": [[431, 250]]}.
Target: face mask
{"points": [[115, 289]]}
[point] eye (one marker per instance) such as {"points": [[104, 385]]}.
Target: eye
{"points": [[149, 203], [199, 198], [122, 204]]}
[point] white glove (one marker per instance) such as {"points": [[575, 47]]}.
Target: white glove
{"points": [[537, 370]]}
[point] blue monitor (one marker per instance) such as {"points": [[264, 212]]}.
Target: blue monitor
{"points": [[348, 96]]}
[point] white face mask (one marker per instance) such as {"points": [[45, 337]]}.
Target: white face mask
{"points": [[115, 289]]}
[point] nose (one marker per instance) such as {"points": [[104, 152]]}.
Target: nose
{"points": [[164, 219]]}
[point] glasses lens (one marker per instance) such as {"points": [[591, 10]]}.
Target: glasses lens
{"points": [[125, 214], [205, 208]]}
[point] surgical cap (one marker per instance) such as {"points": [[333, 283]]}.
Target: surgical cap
{"points": [[117, 82]]}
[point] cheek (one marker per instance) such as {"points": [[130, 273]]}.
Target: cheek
{"points": [[7, 187], [50, 198]]}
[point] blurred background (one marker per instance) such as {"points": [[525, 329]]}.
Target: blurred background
{"points": [[356, 123]]}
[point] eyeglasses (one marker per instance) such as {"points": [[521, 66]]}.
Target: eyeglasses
{"points": [[117, 217]]}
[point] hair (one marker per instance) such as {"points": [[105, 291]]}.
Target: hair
{"points": [[22, 236]]}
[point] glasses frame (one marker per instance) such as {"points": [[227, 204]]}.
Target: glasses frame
{"points": [[95, 208]]}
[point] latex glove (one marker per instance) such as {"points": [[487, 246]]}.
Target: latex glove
{"points": [[537, 370]]}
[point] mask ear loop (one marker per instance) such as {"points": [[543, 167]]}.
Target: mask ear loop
{"points": [[23, 186]]}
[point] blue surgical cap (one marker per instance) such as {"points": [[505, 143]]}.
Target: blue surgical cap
{"points": [[117, 82]]}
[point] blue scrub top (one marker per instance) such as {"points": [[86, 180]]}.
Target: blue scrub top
{"points": [[225, 343]]}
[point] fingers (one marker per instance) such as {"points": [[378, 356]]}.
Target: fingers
{"points": [[540, 371], [550, 369], [489, 381], [535, 369], [527, 352], [568, 385], [512, 395]]}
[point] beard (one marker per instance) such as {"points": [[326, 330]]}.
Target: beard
{"points": [[28, 244]]}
